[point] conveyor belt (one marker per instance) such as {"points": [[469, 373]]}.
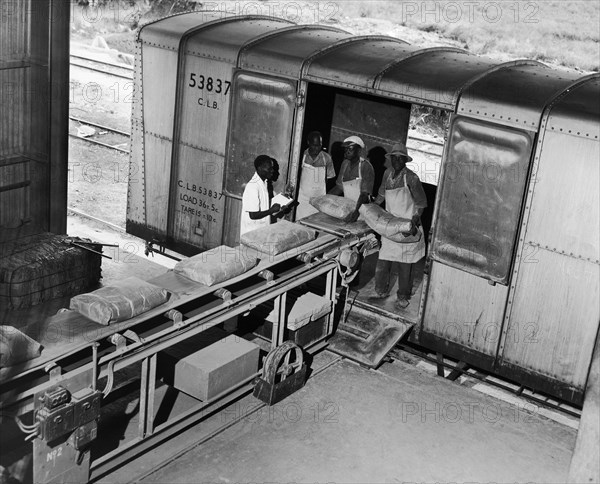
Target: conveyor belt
{"points": [[79, 355], [69, 332]]}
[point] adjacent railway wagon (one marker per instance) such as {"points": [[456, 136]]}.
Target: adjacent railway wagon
{"points": [[511, 279]]}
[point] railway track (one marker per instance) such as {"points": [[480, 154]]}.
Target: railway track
{"points": [[111, 137], [123, 71]]}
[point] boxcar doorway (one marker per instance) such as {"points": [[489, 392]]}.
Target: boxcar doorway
{"points": [[380, 122]]}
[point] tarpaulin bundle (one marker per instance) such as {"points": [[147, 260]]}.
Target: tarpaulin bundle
{"points": [[46, 266]]}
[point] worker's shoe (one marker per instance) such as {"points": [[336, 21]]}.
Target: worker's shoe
{"points": [[402, 303], [379, 295]]}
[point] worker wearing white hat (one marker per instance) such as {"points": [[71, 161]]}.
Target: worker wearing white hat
{"points": [[356, 177], [404, 197]]}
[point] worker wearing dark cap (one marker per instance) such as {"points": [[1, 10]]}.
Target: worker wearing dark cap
{"points": [[356, 178], [404, 197]]}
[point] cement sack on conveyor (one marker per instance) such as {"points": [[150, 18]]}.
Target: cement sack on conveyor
{"points": [[119, 302], [216, 265], [278, 238], [333, 205], [386, 225], [16, 347], [46, 266]]}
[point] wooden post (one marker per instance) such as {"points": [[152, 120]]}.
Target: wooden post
{"points": [[585, 463], [58, 116]]}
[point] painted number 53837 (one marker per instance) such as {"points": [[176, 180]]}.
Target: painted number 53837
{"points": [[209, 84]]}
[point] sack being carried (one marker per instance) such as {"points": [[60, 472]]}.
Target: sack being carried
{"points": [[334, 205], [388, 226]]}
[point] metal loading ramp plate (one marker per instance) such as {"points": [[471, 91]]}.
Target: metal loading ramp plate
{"points": [[367, 335]]}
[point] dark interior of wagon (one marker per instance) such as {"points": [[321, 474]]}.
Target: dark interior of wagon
{"points": [[338, 113]]}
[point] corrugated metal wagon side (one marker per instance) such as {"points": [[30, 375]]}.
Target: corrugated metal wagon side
{"points": [[186, 65], [553, 313], [497, 294]]}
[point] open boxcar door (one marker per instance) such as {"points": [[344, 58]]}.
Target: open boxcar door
{"points": [[261, 122]]}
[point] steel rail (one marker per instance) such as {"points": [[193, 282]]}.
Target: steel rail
{"points": [[416, 138], [96, 219], [430, 153], [90, 68], [101, 126], [483, 379], [100, 143], [112, 64]]}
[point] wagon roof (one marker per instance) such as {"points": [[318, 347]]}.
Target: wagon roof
{"points": [[514, 93], [214, 28], [574, 114]]}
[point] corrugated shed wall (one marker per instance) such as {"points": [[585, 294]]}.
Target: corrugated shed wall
{"points": [[14, 66]]}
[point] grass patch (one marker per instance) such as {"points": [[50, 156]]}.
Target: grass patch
{"points": [[565, 33], [561, 32]]}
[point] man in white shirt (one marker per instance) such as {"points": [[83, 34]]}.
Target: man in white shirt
{"points": [[256, 203]]}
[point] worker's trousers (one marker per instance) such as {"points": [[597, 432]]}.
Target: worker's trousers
{"points": [[383, 273]]}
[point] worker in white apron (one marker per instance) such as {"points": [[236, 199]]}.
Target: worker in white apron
{"points": [[317, 167], [404, 197], [356, 178]]}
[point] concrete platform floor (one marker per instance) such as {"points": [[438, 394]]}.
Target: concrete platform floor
{"points": [[351, 424]]}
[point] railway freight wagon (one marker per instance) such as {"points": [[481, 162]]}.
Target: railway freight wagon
{"points": [[511, 279]]}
